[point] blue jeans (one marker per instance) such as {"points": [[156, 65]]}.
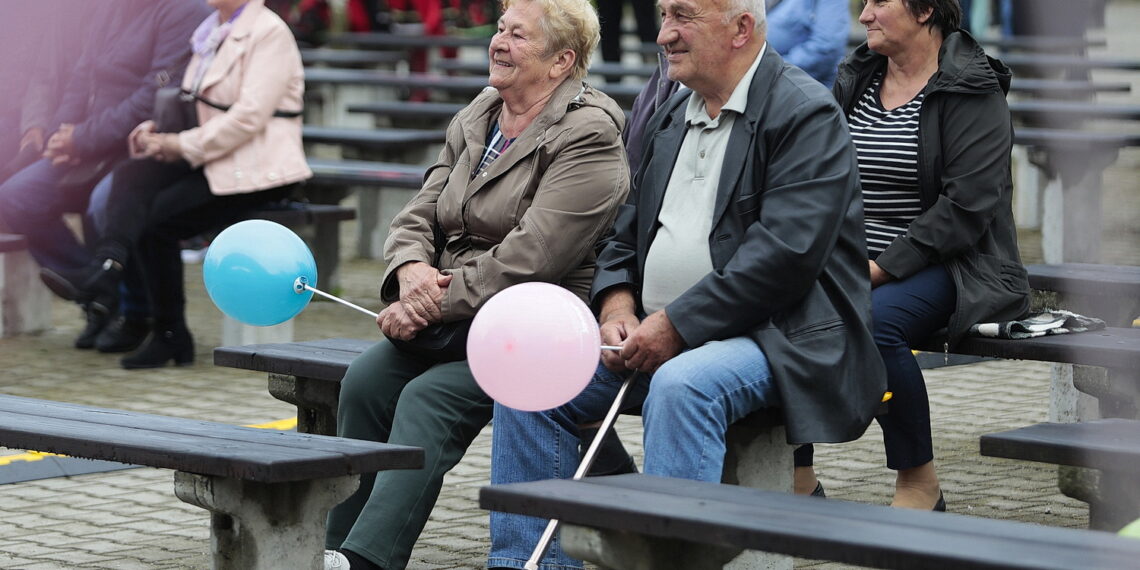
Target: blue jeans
{"points": [[33, 202], [688, 405]]}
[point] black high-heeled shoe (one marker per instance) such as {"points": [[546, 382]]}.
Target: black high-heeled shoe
{"points": [[101, 285], [940, 506], [164, 344]]}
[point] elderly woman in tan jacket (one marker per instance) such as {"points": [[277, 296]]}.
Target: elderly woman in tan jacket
{"points": [[245, 152], [530, 177]]}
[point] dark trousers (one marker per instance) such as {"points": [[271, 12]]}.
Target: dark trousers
{"points": [[906, 313], [155, 204], [610, 15], [390, 396]]}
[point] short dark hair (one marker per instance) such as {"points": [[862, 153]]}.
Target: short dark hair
{"points": [[946, 14]]}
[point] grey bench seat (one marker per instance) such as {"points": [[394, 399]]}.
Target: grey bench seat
{"points": [[269, 491], [642, 522]]}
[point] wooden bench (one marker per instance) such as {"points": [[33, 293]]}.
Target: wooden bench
{"points": [[25, 304], [268, 491], [641, 522], [308, 374], [382, 190], [1111, 446]]}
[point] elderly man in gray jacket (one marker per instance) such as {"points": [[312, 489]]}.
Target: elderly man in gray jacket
{"points": [[735, 278]]}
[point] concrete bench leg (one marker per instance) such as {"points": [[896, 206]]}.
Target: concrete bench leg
{"points": [[376, 207], [757, 456], [316, 404], [1085, 393], [265, 526], [25, 304], [236, 333]]}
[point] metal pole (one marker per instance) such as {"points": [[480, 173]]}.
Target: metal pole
{"points": [[587, 461]]}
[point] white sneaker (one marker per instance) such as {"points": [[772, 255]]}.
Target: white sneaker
{"points": [[335, 561]]}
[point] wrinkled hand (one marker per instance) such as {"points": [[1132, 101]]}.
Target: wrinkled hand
{"points": [[61, 146], [397, 321], [33, 139], [651, 344], [421, 290], [878, 276], [615, 329]]}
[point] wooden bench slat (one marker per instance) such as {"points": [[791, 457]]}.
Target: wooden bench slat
{"points": [[360, 172], [1086, 279], [12, 242], [203, 447], [854, 533], [372, 138], [322, 359], [1100, 444], [1114, 347]]}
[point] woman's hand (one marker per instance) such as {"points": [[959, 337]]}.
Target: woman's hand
{"points": [[136, 141], [397, 321], [165, 147], [421, 290], [878, 276]]}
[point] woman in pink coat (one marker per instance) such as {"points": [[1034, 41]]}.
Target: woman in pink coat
{"points": [[245, 152]]}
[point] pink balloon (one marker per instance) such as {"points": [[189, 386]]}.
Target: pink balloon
{"points": [[533, 346]]}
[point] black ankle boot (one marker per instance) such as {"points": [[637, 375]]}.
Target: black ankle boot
{"points": [[96, 324], [101, 285], [123, 334], [165, 343], [612, 457]]}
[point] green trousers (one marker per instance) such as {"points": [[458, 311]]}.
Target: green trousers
{"points": [[389, 396]]}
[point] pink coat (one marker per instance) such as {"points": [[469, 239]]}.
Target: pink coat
{"points": [[256, 71]]}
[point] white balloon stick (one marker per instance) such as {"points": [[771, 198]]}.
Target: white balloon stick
{"points": [[611, 347], [583, 467], [341, 301]]}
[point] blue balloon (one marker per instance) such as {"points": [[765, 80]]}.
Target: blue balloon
{"points": [[255, 272]]}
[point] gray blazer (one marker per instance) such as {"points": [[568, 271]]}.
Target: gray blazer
{"points": [[788, 250]]}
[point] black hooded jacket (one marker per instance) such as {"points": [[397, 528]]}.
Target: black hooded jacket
{"points": [[965, 183]]}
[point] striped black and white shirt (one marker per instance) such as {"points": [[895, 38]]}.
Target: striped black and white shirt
{"points": [[887, 143]]}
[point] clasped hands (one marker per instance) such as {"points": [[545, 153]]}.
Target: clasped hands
{"points": [[145, 143], [645, 345], [60, 147], [421, 293]]}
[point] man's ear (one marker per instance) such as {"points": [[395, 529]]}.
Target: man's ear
{"points": [[745, 29]]}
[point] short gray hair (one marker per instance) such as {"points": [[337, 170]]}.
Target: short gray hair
{"points": [[568, 24], [735, 8]]}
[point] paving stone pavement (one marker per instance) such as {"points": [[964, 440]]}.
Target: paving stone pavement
{"points": [[130, 519]]}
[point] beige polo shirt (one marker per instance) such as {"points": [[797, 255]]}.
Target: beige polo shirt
{"points": [[679, 256]]}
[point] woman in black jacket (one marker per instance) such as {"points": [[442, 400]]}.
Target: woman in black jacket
{"points": [[928, 115]]}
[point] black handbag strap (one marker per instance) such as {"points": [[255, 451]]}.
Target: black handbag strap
{"points": [[224, 108]]}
